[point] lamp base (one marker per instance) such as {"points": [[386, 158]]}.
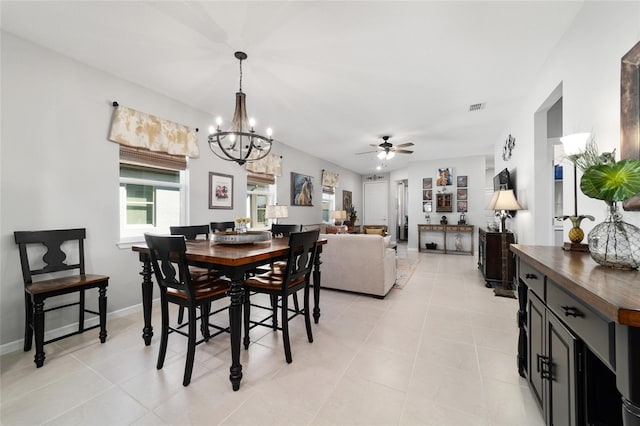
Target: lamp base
{"points": [[576, 247]]}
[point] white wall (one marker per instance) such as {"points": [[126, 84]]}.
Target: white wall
{"points": [[586, 62], [58, 170], [473, 168]]}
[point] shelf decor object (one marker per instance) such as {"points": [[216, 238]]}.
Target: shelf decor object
{"points": [[574, 146], [240, 143]]}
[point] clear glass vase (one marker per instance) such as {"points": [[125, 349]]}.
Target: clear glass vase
{"points": [[615, 243]]}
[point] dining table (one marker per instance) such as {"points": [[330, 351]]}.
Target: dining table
{"points": [[234, 261]]}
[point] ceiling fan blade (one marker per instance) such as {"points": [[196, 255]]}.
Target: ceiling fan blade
{"points": [[374, 145], [366, 152], [404, 145], [403, 151]]}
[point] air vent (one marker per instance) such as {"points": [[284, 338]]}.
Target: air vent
{"points": [[476, 107]]}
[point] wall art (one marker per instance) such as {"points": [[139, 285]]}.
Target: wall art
{"points": [[461, 181], [220, 191], [301, 189], [444, 177]]}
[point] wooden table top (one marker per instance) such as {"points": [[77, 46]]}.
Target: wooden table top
{"points": [[233, 254], [613, 293]]}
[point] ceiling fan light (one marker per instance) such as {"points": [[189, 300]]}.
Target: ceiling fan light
{"points": [[390, 155], [381, 155]]}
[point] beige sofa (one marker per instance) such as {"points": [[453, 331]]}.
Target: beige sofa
{"points": [[359, 263]]}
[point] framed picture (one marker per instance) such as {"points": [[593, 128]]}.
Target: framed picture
{"points": [[347, 200], [427, 194], [443, 203], [427, 183], [462, 194], [220, 191], [444, 177], [462, 206], [301, 190], [427, 207], [461, 181]]}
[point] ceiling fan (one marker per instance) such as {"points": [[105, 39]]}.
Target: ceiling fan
{"points": [[386, 150]]}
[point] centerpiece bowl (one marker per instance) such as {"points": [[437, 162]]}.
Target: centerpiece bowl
{"points": [[233, 237]]}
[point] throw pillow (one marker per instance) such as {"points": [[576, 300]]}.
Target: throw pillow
{"points": [[373, 231]]}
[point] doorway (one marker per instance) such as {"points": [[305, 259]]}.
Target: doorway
{"points": [[376, 196]]}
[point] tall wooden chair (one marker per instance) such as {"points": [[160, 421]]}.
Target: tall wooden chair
{"points": [[222, 226], [295, 276], [192, 233], [169, 263], [35, 293], [284, 230]]}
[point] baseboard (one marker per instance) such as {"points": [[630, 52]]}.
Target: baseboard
{"points": [[18, 345]]}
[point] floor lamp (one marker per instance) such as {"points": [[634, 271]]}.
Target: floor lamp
{"points": [[503, 201]]}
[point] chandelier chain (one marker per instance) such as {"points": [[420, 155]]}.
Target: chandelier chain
{"points": [[241, 75]]}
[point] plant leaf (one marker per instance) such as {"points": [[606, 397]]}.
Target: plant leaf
{"points": [[612, 182]]}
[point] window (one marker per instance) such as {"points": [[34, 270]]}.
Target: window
{"points": [[151, 200], [259, 196], [328, 202]]}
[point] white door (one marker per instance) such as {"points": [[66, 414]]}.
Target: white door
{"points": [[376, 196]]}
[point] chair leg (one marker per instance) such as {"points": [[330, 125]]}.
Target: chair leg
{"points": [[274, 313], [247, 318], [307, 314], [102, 310], [81, 312], [296, 306], [205, 308], [180, 314], [28, 322], [285, 329], [38, 330], [164, 335], [191, 346]]}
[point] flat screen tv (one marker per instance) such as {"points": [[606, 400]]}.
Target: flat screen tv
{"points": [[505, 180]]}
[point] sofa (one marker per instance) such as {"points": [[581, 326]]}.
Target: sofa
{"points": [[358, 263]]}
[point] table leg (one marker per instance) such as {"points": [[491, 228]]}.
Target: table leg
{"points": [[147, 298], [316, 287], [236, 293]]}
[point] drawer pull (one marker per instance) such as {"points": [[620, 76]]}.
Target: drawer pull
{"points": [[570, 311], [531, 276], [544, 366]]}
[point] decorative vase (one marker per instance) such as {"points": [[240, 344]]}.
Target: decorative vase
{"points": [[615, 243]]}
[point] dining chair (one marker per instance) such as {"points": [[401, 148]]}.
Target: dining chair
{"points": [[192, 233], [281, 282], [284, 230], [222, 226], [61, 245], [170, 266]]}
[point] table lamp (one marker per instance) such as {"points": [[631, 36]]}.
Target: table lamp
{"points": [[574, 146], [503, 201], [276, 212], [339, 216]]}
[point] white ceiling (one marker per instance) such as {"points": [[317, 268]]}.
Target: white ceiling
{"points": [[329, 77]]}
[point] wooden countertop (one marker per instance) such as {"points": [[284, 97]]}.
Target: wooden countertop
{"points": [[613, 293]]}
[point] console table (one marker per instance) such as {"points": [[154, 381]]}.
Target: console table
{"points": [[579, 343], [447, 231]]}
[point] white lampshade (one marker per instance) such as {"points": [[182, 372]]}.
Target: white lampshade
{"points": [[277, 212], [338, 214], [504, 199], [574, 144]]}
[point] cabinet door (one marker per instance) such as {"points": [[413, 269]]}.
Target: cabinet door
{"points": [[562, 349], [537, 354]]}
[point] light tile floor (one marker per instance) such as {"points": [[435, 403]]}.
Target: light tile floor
{"points": [[440, 351]]}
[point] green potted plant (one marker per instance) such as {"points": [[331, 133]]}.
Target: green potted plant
{"points": [[612, 243]]}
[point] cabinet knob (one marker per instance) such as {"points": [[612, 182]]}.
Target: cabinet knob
{"points": [[570, 311], [531, 276]]}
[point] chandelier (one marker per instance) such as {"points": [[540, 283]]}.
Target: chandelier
{"points": [[240, 143]]}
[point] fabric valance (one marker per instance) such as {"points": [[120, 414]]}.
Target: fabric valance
{"points": [[140, 130], [269, 165], [329, 178]]}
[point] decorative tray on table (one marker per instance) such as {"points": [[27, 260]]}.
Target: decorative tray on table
{"points": [[233, 237]]}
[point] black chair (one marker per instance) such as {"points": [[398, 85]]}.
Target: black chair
{"points": [[222, 226], [295, 276], [169, 263], [284, 230], [35, 293], [194, 232]]}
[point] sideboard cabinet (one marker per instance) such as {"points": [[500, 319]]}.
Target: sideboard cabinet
{"points": [[579, 342]]}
